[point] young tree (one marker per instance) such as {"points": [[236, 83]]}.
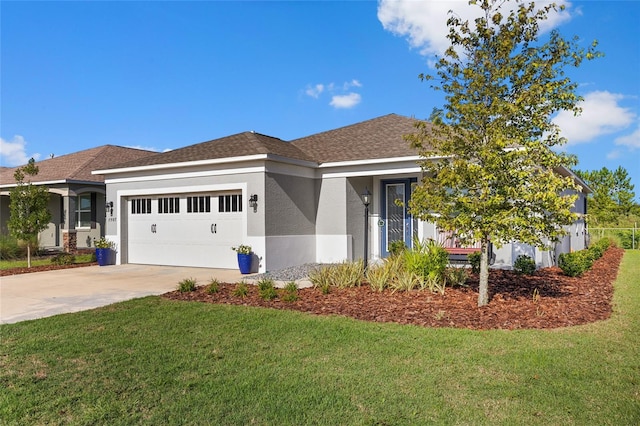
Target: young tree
{"points": [[28, 207], [613, 194], [496, 178]]}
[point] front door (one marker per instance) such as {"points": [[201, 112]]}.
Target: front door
{"points": [[397, 223]]}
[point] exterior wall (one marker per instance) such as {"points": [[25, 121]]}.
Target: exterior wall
{"points": [[4, 214], [332, 242], [50, 237], [184, 181], [290, 216]]}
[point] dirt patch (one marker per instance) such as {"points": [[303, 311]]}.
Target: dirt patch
{"points": [[547, 299]]}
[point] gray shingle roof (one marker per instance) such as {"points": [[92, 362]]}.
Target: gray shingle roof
{"points": [[78, 166], [238, 145], [372, 139]]}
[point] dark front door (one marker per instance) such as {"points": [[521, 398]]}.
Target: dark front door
{"points": [[397, 223]]}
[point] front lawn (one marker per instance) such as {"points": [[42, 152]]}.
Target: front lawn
{"points": [[157, 361]]}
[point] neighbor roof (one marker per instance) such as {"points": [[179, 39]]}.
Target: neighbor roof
{"points": [[238, 145], [77, 167], [377, 138]]}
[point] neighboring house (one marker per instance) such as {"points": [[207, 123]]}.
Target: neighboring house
{"points": [[76, 200], [294, 202]]}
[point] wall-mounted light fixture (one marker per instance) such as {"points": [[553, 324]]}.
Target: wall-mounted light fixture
{"points": [[108, 207], [253, 202]]}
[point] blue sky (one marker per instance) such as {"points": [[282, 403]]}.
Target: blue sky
{"points": [[162, 75]]}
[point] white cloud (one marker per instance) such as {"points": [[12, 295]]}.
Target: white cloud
{"points": [[424, 23], [601, 115], [339, 96], [14, 152], [314, 91], [631, 141], [614, 154], [146, 148], [345, 101]]}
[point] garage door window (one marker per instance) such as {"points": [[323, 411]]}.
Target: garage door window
{"points": [[141, 206], [230, 203], [199, 204], [169, 205]]}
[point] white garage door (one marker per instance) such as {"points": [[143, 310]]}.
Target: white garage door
{"points": [[185, 229]]}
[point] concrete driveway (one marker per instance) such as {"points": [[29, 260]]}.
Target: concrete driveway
{"points": [[44, 294]]}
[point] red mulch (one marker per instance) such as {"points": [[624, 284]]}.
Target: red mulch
{"points": [[562, 301], [41, 268]]}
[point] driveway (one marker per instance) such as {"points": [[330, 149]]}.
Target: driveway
{"points": [[43, 294]]}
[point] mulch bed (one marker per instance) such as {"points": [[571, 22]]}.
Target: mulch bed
{"points": [[547, 299], [41, 268]]}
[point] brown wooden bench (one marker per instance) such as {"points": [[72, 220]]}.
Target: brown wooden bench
{"points": [[459, 255]]}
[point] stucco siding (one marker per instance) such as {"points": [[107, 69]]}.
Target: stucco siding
{"points": [[355, 214], [332, 208], [290, 205]]}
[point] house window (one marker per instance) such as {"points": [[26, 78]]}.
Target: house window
{"points": [[230, 203], [199, 204], [169, 205], [141, 206], [83, 211]]}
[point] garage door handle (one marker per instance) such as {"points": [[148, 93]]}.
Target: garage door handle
{"points": [[153, 229], [214, 228]]}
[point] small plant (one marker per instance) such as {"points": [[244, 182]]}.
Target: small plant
{"points": [[440, 315], [213, 287], [397, 247], [241, 290], [405, 281], [474, 261], [380, 276], [575, 264], [347, 274], [524, 265], [456, 276], [187, 285], [321, 278], [290, 292], [63, 259], [242, 249], [267, 289], [103, 243]]}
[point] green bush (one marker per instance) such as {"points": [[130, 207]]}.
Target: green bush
{"points": [[474, 261], [267, 289], [186, 285], [213, 287], [627, 239], [343, 275], [427, 260], [380, 276], [397, 247], [456, 276], [290, 292], [63, 259], [524, 265], [241, 290], [576, 263], [321, 278]]}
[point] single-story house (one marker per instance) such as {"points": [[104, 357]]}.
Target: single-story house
{"points": [[294, 202], [76, 196]]}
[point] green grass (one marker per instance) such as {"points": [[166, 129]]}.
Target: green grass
{"points": [[35, 261], [154, 361]]}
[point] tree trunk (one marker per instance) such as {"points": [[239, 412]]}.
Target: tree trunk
{"points": [[28, 255], [483, 290]]}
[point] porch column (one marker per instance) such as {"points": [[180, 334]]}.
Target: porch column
{"points": [[69, 237]]}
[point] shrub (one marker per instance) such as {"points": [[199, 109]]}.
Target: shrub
{"points": [[474, 261], [574, 264], [455, 276], [397, 247], [213, 287], [321, 278], [406, 280], [380, 276], [290, 292], [524, 265], [186, 285], [63, 259], [267, 289], [428, 260], [241, 290], [347, 274], [10, 249]]}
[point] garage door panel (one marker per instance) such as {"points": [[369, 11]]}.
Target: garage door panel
{"points": [[202, 239]]}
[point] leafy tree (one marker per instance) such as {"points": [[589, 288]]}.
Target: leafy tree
{"points": [[497, 178], [28, 207], [613, 195]]}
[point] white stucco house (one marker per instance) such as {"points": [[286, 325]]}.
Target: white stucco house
{"points": [[294, 202]]}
